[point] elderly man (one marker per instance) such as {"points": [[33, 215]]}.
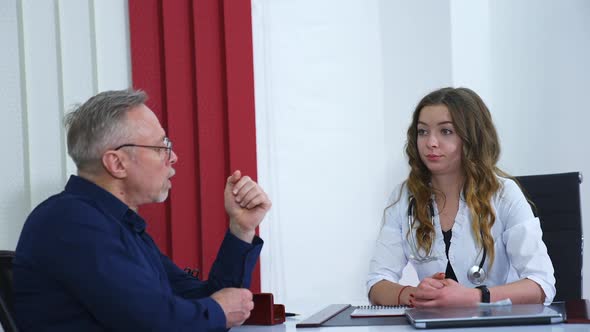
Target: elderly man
{"points": [[84, 261]]}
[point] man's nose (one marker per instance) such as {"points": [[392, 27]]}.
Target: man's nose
{"points": [[173, 157]]}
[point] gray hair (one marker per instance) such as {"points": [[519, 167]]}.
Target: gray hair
{"points": [[99, 125]]}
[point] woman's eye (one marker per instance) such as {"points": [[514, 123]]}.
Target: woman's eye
{"points": [[446, 131], [422, 132]]}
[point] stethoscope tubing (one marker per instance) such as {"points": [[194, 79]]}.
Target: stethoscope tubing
{"points": [[476, 274]]}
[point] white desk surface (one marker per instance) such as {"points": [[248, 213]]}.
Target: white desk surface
{"points": [[289, 326]]}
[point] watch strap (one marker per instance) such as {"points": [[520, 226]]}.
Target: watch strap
{"points": [[485, 293]]}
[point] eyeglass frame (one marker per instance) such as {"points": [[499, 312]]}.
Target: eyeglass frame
{"points": [[166, 140]]}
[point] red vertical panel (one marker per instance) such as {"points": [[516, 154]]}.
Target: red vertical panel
{"points": [[240, 86], [180, 100], [147, 68], [240, 93], [211, 120], [194, 59]]}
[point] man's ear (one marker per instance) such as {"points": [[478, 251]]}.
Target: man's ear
{"points": [[114, 164]]}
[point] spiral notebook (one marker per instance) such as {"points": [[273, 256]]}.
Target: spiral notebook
{"points": [[379, 311]]}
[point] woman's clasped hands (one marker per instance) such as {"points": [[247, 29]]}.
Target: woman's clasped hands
{"points": [[436, 291]]}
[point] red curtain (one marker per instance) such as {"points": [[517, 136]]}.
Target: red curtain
{"points": [[194, 59]]}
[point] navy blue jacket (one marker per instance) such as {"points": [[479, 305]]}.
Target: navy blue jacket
{"points": [[85, 263]]}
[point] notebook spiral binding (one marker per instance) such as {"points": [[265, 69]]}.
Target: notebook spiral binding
{"points": [[377, 307]]}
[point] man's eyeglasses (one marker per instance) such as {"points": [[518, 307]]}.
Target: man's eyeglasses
{"points": [[166, 141]]}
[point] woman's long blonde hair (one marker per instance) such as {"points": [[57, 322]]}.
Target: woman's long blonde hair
{"points": [[481, 149]]}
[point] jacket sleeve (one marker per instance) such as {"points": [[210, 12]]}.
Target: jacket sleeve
{"points": [[232, 268]]}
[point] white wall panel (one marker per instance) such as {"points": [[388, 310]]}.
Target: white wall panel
{"points": [[43, 91], [49, 62], [14, 193], [78, 62], [112, 44]]}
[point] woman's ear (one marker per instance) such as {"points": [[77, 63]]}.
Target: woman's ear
{"points": [[114, 163]]}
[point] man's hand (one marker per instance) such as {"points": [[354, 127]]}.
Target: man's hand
{"points": [[236, 304], [246, 204]]}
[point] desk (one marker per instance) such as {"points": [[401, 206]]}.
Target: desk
{"points": [[289, 326]]}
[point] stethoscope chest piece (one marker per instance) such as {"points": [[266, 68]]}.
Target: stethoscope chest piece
{"points": [[476, 275]]}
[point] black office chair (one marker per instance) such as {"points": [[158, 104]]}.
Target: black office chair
{"points": [[6, 317], [556, 201]]}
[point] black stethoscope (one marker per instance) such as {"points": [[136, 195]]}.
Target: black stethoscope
{"points": [[476, 274]]}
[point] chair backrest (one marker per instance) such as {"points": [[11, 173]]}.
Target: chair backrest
{"points": [[6, 317], [556, 201]]}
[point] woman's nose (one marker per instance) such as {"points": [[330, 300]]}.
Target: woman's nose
{"points": [[432, 141]]}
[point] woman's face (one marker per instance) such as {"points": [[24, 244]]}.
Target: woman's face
{"points": [[439, 146]]}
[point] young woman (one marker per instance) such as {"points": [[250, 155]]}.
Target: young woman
{"points": [[464, 224]]}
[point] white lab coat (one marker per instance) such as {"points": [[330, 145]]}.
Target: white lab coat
{"points": [[519, 249]]}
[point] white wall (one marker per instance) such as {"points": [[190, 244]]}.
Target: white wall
{"points": [[336, 83], [14, 193], [55, 54], [319, 95]]}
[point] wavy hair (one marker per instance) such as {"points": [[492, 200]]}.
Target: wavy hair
{"points": [[481, 149]]}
